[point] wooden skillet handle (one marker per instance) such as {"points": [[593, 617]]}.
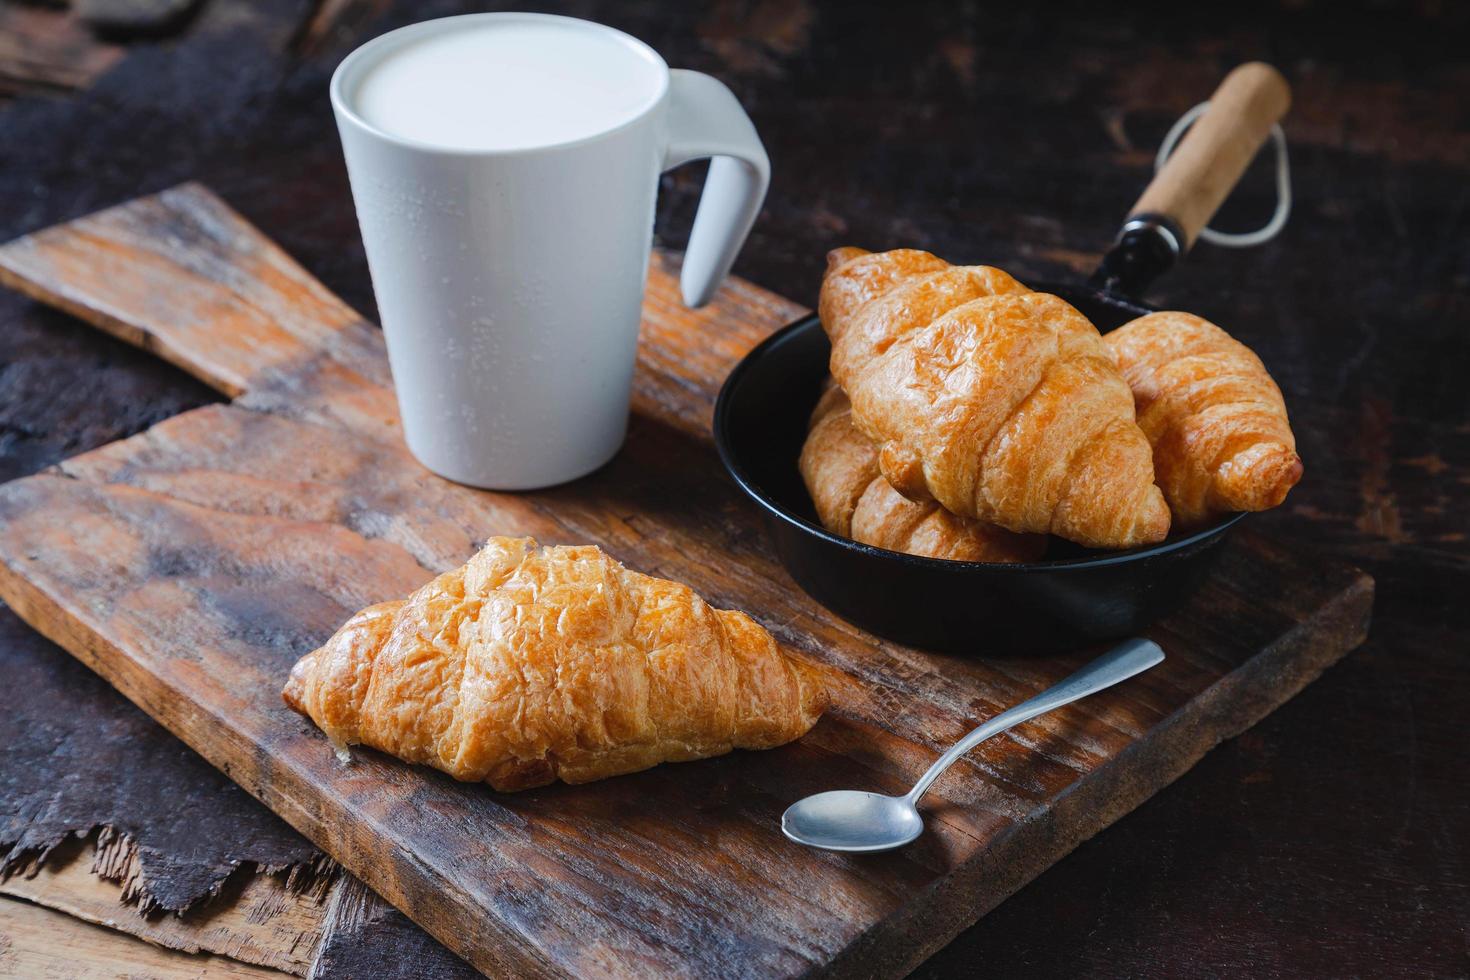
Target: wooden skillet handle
{"points": [[1215, 152]]}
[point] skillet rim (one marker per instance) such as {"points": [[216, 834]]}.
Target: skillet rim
{"points": [[747, 485]]}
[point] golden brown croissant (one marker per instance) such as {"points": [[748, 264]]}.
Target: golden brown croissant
{"points": [[1002, 404], [529, 664], [840, 467], [1214, 416]]}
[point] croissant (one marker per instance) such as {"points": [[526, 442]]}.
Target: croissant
{"points": [[530, 664], [1215, 418], [1002, 404], [840, 467]]}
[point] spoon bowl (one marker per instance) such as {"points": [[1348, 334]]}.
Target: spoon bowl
{"points": [[856, 821], [852, 820]]}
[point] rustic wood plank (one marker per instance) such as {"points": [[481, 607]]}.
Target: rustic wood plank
{"points": [[182, 275], [40, 942], [49, 50], [236, 537], [257, 919]]}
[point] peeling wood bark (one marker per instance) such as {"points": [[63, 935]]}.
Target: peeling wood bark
{"points": [[364, 937], [257, 918], [175, 832]]}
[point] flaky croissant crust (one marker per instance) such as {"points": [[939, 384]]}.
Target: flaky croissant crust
{"points": [[840, 467], [1000, 403], [530, 664], [1213, 414]]}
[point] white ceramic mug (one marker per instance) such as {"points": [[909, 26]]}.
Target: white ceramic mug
{"points": [[509, 258]]}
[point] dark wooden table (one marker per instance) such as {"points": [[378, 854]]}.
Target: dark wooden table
{"points": [[1330, 840]]}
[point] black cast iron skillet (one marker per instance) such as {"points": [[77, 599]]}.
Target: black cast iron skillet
{"points": [[1073, 596]]}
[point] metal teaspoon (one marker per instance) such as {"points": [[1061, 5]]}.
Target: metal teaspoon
{"points": [[854, 820]]}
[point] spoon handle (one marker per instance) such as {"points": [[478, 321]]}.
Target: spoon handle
{"points": [[1119, 664]]}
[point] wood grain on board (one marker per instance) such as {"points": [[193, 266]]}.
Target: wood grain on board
{"points": [[39, 942], [191, 564], [223, 302], [257, 919]]}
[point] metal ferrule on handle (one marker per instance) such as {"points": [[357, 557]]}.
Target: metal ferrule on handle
{"points": [[1196, 179]]}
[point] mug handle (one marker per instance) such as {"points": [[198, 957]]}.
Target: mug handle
{"points": [[706, 120]]}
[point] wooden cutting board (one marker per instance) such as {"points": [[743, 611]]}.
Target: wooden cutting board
{"points": [[190, 566]]}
